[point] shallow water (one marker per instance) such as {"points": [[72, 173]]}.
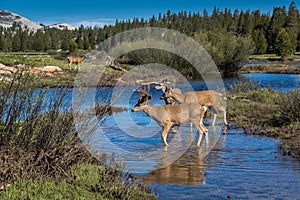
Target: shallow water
{"points": [[279, 82], [233, 165], [240, 166]]}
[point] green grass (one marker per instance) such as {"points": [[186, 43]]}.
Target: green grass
{"points": [[272, 56], [86, 182], [35, 61], [265, 112]]}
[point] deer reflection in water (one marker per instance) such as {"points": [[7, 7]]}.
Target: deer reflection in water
{"points": [[189, 168]]}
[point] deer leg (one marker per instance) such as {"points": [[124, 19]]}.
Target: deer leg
{"points": [[200, 134], [70, 65], [214, 111], [205, 130], [199, 129], [214, 119], [223, 109], [164, 134]]}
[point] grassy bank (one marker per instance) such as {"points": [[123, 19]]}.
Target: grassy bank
{"points": [[265, 112], [274, 64], [270, 69], [42, 156], [84, 182], [273, 57]]}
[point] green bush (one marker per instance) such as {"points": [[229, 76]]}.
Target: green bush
{"points": [[289, 109]]}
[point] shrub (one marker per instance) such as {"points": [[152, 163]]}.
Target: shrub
{"points": [[289, 109]]}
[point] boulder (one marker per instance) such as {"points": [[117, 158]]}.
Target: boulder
{"points": [[50, 69], [7, 69]]}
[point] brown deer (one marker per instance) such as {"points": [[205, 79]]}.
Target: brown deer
{"points": [[75, 59], [172, 115], [208, 98]]}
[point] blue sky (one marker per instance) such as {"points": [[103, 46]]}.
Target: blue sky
{"points": [[88, 12]]}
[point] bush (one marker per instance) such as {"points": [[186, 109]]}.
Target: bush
{"points": [[289, 109], [285, 44], [27, 120], [41, 155], [226, 49]]}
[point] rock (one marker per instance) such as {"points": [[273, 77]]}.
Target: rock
{"points": [[4, 72], [50, 69], [9, 70]]}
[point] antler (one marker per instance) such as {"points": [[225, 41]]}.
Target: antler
{"points": [[141, 82], [140, 91]]}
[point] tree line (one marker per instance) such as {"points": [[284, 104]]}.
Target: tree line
{"points": [[229, 36]]}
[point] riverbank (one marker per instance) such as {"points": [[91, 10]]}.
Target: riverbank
{"points": [[42, 155], [275, 68], [53, 70], [272, 64], [267, 113]]}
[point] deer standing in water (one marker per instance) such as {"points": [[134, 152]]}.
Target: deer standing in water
{"points": [[172, 115], [208, 98]]}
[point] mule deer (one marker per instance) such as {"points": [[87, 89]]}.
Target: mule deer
{"points": [[75, 59], [172, 115], [208, 98], [165, 87]]}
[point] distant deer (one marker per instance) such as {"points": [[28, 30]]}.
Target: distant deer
{"points": [[208, 98], [172, 115], [75, 59], [113, 63]]}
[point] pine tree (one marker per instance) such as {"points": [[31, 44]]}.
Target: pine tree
{"points": [[278, 21], [86, 43], [72, 47], [2, 43], [293, 24], [284, 43], [292, 19], [16, 42], [260, 41]]}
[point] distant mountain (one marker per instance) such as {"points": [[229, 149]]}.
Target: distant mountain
{"points": [[7, 19], [63, 26]]}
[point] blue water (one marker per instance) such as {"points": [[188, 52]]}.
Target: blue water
{"points": [[279, 82], [234, 165], [240, 166]]}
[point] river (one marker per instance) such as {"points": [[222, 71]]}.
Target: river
{"points": [[233, 165]]}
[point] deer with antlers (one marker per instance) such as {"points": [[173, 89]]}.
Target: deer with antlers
{"points": [[161, 85], [168, 116], [209, 98]]}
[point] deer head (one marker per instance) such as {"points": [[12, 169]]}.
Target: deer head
{"points": [[143, 101]]}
